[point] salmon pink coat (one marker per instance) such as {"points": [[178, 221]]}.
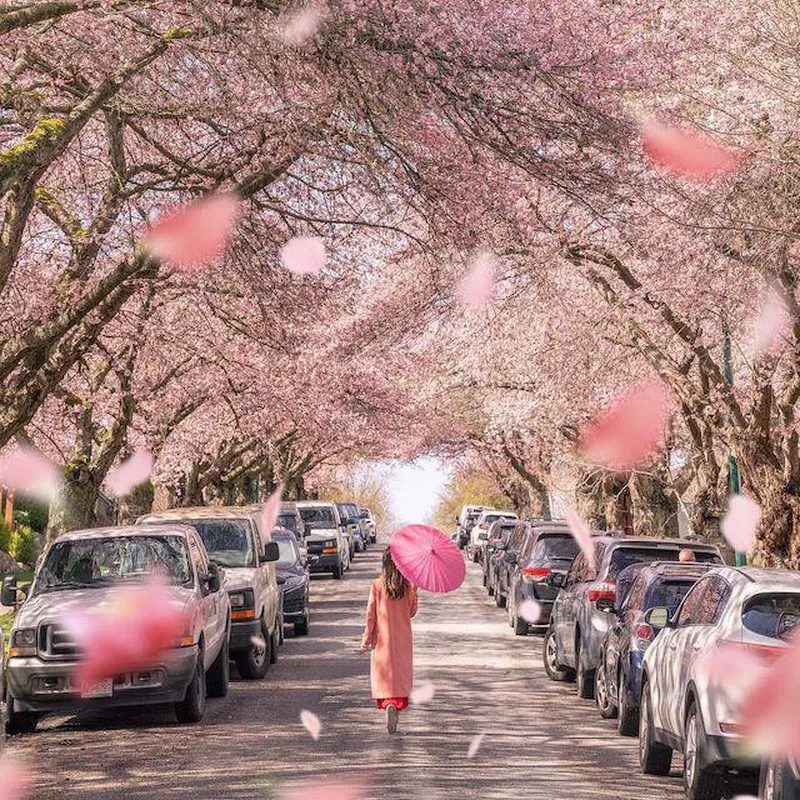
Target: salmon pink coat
{"points": [[389, 634]]}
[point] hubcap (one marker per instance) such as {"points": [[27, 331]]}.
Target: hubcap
{"points": [[259, 653], [690, 752], [551, 654], [602, 695]]}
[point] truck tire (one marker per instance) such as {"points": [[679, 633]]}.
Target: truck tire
{"points": [[337, 572], [193, 706], [218, 677], [699, 781], [654, 758], [553, 669], [276, 640], [20, 721], [254, 662], [301, 628], [584, 678]]}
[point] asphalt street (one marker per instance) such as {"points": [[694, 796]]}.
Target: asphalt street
{"points": [[541, 742]]}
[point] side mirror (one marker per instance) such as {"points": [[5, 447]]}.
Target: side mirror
{"points": [[211, 581], [281, 580], [307, 528], [657, 617], [556, 579], [271, 553], [501, 545], [8, 596], [511, 557]]}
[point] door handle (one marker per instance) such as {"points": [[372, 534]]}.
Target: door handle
{"points": [[697, 647]]}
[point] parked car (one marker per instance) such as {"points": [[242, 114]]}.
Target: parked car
{"points": [[290, 519], [82, 570], [326, 539], [581, 614], [233, 539], [294, 580], [619, 673], [779, 780], [352, 518], [368, 525], [548, 548], [479, 534], [756, 610], [465, 522], [499, 532]]}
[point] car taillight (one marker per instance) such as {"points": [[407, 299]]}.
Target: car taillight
{"points": [[765, 652], [536, 573], [483, 527], [644, 635], [605, 591]]}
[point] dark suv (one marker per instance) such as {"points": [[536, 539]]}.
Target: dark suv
{"points": [[618, 680], [583, 611], [499, 531], [547, 548]]}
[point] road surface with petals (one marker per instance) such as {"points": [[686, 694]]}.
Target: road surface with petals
{"points": [[541, 742]]}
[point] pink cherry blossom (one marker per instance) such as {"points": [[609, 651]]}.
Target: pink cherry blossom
{"points": [[740, 523], [581, 534], [530, 611], [475, 745], [15, 778], [270, 509], [131, 473], [687, 154], [194, 236], [311, 723], [423, 693], [631, 430], [475, 288], [304, 255], [28, 472]]}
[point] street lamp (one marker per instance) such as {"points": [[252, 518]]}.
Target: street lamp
{"points": [[734, 480]]}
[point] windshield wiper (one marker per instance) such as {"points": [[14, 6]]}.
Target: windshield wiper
{"points": [[67, 585]]}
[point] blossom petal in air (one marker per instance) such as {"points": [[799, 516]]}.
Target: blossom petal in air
{"points": [[304, 255], [311, 723], [530, 611], [630, 430], [475, 288], [687, 154], [423, 693], [475, 745], [28, 472], [324, 790], [269, 512], [194, 236], [771, 323], [740, 523], [297, 27], [129, 474], [15, 778], [581, 534]]}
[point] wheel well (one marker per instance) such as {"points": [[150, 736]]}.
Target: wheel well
{"points": [[690, 699]]}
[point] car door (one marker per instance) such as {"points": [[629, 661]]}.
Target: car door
{"points": [[264, 580], [209, 601], [565, 603], [618, 641]]}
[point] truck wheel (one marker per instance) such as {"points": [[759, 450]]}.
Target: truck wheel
{"points": [[219, 675], [254, 662], [553, 669], [276, 640], [337, 572], [628, 722], [192, 707], [20, 721], [654, 758], [301, 628], [584, 679], [699, 781]]}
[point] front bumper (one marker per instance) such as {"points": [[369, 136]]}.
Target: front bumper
{"points": [[242, 631], [294, 604], [327, 562], [38, 685]]}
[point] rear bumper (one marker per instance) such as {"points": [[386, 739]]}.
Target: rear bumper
{"points": [[728, 752], [38, 685], [242, 631]]}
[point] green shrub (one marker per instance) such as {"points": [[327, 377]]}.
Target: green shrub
{"points": [[23, 544], [28, 511], [6, 535]]}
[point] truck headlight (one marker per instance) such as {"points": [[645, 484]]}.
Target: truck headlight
{"points": [[243, 604], [237, 599], [23, 643]]}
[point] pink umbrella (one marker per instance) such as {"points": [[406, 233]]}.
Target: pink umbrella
{"points": [[427, 558]]}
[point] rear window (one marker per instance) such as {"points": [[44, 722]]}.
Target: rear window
{"points": [[554, 548], [669, 593], [625, 556], [773, 615]]}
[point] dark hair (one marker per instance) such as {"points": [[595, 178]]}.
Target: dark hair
{"points": [[393, 579]]}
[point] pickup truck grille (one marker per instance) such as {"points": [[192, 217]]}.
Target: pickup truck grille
{"points": [[55, 642]]}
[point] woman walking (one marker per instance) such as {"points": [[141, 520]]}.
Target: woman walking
{"points": [[392, 603]]}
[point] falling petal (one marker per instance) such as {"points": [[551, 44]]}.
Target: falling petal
{"points": [[581, 534], [687, 154], [324, 790], [772, 322], [270, 509], [15, 778], [299, 26], [630, 431], [740, 522], [194, 236], [475, 288], [530, 611], [304, 255], [311, 723], [131, 473], [475, 745], [423, 693], [257, 641], [28, 472]]}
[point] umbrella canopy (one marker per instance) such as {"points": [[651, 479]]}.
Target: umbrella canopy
{"points": [[427, 558]]}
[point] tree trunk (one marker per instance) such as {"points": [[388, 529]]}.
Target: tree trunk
{"points": [[75, 506], [778, 542], [654, 510]]}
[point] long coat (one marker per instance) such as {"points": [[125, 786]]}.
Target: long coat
{"points": [[389, 634]]}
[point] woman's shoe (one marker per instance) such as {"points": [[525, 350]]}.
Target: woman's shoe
{"points": [[391, 718]]}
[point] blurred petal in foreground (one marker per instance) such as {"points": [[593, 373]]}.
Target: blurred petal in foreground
{"points": [[15, 779], [475, 745], [740, 522], [129, 474], [269, 512], [475, 288], [304, 255], [581, 534], [687, 154], [423, 693], [311, 723], [28, 472], [299, 26], [325, 790]]}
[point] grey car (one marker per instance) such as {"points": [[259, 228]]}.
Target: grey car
{"points": [[583, 611], [82, 570]]}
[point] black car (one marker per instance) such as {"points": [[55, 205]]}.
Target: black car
{"points": [[548, 547], [618, 681], [293, 577], [499, 532]]}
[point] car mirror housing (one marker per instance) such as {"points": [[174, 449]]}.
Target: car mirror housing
{"points": [[271, 553], [211, 580], [511, 557], [657, 617], [8, 597], [281, 579]]}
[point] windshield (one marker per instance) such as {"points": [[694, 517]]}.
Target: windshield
{"points": [[288, 521], [669, 593], [318, 516], [773, 615], [490, 518], [97, 562], [288, 555], [554, 548], [228, 541]]}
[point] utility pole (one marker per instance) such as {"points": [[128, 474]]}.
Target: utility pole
{"points": [[734, 481]]}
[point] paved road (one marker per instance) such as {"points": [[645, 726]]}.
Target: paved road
{"points": [[541, 741]]}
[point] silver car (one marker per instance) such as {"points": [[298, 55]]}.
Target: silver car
{"points": [[234, 540], [82, 570], [756, 610]]}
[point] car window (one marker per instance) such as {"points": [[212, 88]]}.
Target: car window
{"points": [[773, 615], [288, 521], [286, 548], [714, 600], [318, 516], [635, 598], [198, 556], [668, 592], [517, 535], [622, 557], [690, 609], [555, 547], [577, 570], [229, 542]]}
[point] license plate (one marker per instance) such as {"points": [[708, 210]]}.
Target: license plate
{"points": [[103, 689]]}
